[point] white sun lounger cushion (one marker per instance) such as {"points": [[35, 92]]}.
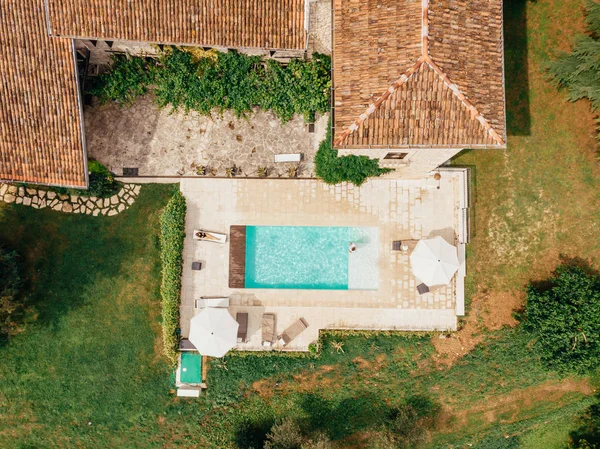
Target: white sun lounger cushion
{"points": [[188, 392], [211, 302], [291, 157]]}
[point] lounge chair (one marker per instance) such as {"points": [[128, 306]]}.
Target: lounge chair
{"points": [[207, 236], [293, 331], [242, 319], [268, 329]]}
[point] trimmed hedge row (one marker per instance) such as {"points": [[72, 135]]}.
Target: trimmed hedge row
{"points": [[172, 232]]}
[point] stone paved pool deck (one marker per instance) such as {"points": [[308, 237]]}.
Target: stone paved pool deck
{"points": [[400, 209]]}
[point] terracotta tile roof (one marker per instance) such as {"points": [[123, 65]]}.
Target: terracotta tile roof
{"points": [[418, 74], [40, 122], [272, 24]]}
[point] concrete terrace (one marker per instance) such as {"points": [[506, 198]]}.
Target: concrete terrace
{"points": [[400, 209]]}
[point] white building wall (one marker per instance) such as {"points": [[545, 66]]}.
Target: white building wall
{"points": [[417, 163]]}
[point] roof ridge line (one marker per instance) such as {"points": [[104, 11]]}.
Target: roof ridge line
{"points": [[375, 105], [446, 79], [424, 58], [464, 100]]}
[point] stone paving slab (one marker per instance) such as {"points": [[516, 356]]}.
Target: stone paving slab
{"points": [[339, 318], [76, 204], [162, 143], [400, 209]]}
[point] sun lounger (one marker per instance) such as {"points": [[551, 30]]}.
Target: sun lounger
{"points": [[200, 234], [293, 331], [292, 157], [242, 319], [268, 329]]}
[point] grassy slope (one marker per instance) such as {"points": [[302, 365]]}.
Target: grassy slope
{"points": [[88, 354]]}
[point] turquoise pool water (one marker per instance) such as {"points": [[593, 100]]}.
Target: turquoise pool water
{"points": [[191, 368], [305, 257]]}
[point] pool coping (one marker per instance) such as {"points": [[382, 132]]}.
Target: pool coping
{"points": [[237, 256]]}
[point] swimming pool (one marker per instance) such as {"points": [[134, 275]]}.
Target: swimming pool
{"points": [[311, 257], [190, 368]]}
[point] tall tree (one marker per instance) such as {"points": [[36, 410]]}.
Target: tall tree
{"points": [[579, 72]]}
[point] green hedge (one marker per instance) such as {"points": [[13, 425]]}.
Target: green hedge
{"points": [[172, 232], [355, 169], [203, 81], [10, 286]]}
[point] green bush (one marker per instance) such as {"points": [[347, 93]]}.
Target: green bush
{"points": [[221, 81], [411, 421], [102, 182], [564, 316], [172, 232], [128, 78], [355, 169], [10, 285], [285, 434]]}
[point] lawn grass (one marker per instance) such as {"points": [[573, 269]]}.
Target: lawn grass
{"points": [[535, 203], [87, 371], [85, 365]]}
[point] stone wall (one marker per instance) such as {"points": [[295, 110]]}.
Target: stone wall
{"points": [[76, 204]]}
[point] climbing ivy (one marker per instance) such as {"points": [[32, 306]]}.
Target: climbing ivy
{"points": [[188, 80]]}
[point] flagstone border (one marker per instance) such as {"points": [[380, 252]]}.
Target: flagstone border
{"points": [[76, 204]]}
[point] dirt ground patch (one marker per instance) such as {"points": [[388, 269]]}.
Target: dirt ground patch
{"points": [[366, 365], [309, 381], [490, 311]]}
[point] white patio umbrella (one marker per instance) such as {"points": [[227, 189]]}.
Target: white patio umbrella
{"points": [[213, 331], [434, 261]]}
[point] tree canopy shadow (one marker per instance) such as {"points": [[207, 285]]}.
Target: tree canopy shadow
{"points": [[338, 419]]}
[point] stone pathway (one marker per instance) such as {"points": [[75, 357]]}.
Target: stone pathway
{"points": [[76, 204]]}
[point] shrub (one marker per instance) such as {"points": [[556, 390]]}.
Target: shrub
{"points": [[10, 285], [128, 78], [192, 80], [285, 434], [102, 181], [579, 72], [411, 421], [355, 169], [172, 232], [564, 316]]}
